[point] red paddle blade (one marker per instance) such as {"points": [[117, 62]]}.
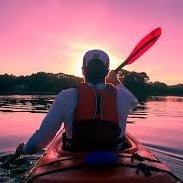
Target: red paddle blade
{"points": [[143, 45]]}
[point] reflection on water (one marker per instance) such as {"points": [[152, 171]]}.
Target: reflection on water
{"points": [[157, 123], [164, 99], [161, 129], [18, 169], [28, 103]]}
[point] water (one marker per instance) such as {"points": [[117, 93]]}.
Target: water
{"points": [[157, 123]]}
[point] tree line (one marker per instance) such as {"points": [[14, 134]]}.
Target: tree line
{"points": [[38, 83], [49, 83], [141, 86]]}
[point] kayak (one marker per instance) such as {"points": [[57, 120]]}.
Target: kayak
{"points": [[134, 163]]}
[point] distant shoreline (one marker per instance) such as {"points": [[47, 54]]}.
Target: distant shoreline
{"points": [[29, 93], [42, 83], [56, 93]]}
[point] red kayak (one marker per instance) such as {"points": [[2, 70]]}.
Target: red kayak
{"points": [[132, 164]]}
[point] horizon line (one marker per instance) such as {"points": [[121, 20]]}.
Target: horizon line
{"points": [[24, 75]]}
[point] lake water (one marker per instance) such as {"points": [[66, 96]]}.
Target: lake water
{"points": [[157, 123]]}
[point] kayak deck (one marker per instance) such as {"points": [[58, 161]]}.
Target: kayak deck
{"points": [[134, 164]]}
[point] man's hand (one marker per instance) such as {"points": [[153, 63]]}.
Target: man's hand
{"points": [[112, 78], [20, 149]]}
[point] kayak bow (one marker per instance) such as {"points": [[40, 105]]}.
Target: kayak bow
{"points": [[133, 164]]}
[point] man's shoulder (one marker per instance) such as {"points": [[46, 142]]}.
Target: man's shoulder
{"points": [[67, 96], [68, 92]]}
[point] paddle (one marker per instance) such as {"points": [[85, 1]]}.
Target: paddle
{"points": [[141, 47]]}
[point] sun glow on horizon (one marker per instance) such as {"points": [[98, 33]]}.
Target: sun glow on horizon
{"points": [[47, 36], [78, 51]]}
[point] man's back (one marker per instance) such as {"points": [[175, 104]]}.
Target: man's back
{"points": [[62, 110], [95, 70], [67, 101]]}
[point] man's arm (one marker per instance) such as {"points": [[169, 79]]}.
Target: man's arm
{"points": [[49, 127], [131, 99]]}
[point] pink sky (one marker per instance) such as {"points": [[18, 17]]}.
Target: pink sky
{"points": [[53, 35]]}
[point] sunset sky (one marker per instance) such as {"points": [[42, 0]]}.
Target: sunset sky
{"points": [[53, 35]]}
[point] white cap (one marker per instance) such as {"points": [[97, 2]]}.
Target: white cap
{"points": [[92, 54]]}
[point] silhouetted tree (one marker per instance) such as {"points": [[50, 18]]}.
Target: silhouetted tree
{"points": [[175, 90], [7, 82], [44, 83], [158, 88], [136, 82]]}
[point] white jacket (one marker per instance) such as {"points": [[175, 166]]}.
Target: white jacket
{"points": [[62, 111]]}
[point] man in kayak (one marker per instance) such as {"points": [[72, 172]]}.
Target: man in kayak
{"points": [[94, 113]]}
